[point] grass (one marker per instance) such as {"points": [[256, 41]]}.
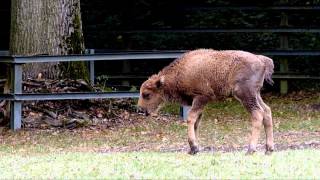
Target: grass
{"points": [[143, 149], [287, 164]]}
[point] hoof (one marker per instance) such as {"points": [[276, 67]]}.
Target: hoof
{"points": [[193, 150], [269, 150], [251, 151]]}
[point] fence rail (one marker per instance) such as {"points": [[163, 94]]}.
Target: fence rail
{"points": [[240, 30], [68, 96], [254, 8], [17, 96]]}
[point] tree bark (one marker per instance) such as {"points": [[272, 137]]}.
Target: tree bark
{"points": [[50, 27], [46, 27]]}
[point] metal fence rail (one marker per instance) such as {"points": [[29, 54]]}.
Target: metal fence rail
{"points": [[68, 96], [243, 30], [253, 8], [17, 96], [92, 57]]}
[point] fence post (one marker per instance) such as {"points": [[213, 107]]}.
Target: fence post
{"points": [[284, 45], [91, 68], [184, 112], [126, 68], [16, 88]]}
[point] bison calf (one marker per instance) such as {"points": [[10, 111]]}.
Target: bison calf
{"points": [[205, 75]]}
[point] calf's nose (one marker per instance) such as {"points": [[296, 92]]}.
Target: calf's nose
{"points": [[142, 110]]}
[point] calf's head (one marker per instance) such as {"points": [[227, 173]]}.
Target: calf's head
{"points": [[151, 94]]}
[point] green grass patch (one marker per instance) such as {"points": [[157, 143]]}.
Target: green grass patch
{"points": [[303, 124], [79, 153], [287, 164], [171, 108]]}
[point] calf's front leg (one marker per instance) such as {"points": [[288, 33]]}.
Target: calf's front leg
{"points": [[193, 120]]}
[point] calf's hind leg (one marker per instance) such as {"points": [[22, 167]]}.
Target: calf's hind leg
{"points": [[268, 125], [197, 124], [256, 123], [248, 97]]}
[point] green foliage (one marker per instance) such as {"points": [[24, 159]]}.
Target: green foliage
{"points": [[133, 89], [101, 81]]}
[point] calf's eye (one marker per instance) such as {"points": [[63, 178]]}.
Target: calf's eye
{"points": [[146, 96]]}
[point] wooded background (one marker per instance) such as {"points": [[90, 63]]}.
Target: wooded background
{"points": [[106, 25]]}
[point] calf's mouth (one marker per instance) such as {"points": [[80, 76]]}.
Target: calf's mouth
{"points": [[143, 111]]}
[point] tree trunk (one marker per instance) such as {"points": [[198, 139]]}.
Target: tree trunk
{"points": [[47, 27]]}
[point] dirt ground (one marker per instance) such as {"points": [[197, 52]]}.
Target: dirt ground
{"points": [[115, 126]]}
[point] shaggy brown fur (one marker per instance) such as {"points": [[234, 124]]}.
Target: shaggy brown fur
{"points": [[205, 75]]}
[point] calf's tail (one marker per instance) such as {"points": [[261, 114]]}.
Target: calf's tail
{"points": [[269, 66]]}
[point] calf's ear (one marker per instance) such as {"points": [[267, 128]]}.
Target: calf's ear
{"points": [[160, 82]]}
